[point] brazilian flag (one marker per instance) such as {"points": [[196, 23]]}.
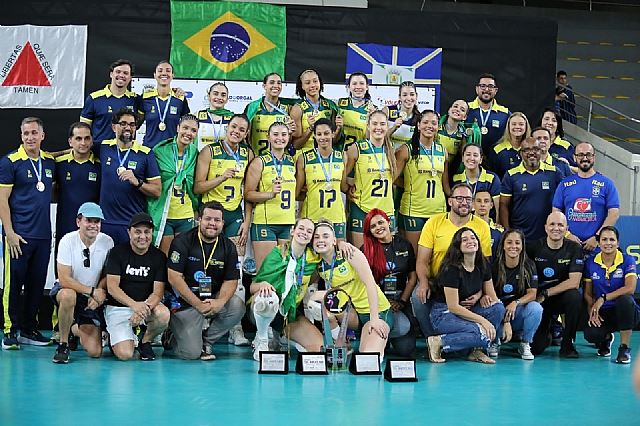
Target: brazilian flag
{"points": [[227, 40]]}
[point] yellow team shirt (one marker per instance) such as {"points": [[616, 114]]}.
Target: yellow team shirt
{"points": [[325, 109], [229, 192], [346, 278], [180, 203], [259, 135], [423, 194], [403, 134], [354, 120], [373, 189], [438, 233], [451, 142], [322, 201], [280, 210]]}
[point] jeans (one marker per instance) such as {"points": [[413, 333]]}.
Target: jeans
{"points": [[422, 312], [526, 321], [458, 333], [402, 337]]}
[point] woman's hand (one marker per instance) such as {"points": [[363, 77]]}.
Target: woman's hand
{"points": [[507, 332], [346, 249], [510, 311], [595, 320], [489, 329], [423, 292], [379, 327]]}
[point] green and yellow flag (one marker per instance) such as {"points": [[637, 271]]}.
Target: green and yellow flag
{"points": [[227, 40]]}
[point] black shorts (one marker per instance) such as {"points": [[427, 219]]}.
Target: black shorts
{"points": [[81, 314]]}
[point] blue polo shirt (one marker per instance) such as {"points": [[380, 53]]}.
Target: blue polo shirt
{"points": [[98, 111], [503, 157], [495, 123], [607, 280], [120, 200], [177, 107], [585, 202], [496, 234], [531, 196], [563, 168], [78, 183], [561, 148], [30, 208], [487, 181]]}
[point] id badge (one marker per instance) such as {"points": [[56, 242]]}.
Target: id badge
{"points": [[205, 286], [390, 285]]}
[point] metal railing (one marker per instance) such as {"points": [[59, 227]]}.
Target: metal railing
{"points": [[602, 120]]}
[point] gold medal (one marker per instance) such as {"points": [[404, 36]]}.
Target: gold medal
{"points": [[40, 186], [162, 126], [403, 115], [120, 170], [383, 176], [469, 131], [434, 172], [484, 130], [328, 186]]}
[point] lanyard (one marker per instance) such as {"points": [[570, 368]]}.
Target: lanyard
{"points": [[316, 105], [483, 119], [429, 154], [206, 265], [234, 154], [277, 164], [303, 262], [380, 163], [166, 108], [39, 171], [330, 279], [176, 157], [327, 175], [474, 186], [216, 134], [121, 160], [276, 107]]}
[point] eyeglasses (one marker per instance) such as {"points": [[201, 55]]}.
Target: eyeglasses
{"points": [[461, 199], [87, 259], [533, 149], [125, 124], [487, 86], [585, 155]]}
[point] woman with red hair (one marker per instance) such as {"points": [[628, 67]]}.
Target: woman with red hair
{"points": [[393, 264]]}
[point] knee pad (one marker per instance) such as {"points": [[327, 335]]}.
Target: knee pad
{"points": [[266, 306], [313, 310]]}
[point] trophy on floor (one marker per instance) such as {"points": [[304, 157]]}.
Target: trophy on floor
{"points": [[336, 350]]}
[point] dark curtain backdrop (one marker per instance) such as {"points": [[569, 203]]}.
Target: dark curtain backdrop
{"points": [[520, 51]]}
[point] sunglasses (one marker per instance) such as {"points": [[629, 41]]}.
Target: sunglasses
{"points": [[87, 259]]}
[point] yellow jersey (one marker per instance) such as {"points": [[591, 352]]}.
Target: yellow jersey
{"points": [[325, 109], [451, 142], [261, 118], [354, 120], [403, 133], [423, 194], [179, 208], [229, 192], [374, 188], [280, 210], [323, 199], [211, 130]]}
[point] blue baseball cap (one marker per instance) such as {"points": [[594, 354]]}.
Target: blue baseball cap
{"points": [[91, 210]]}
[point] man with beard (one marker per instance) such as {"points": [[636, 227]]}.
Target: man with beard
{"points": [[527, 191], [485, 111], [203, 270], [588, 199], [100, 105], [129, 175], [434, 242]]}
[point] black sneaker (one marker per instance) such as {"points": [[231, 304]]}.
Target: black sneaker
{"points": [[33, 338], [10, 342], [604, 349], [62, 354], [146, 351], [624, 354], [568, 351], [73, 341]]}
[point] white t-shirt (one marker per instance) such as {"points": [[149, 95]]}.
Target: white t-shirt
{"points": [[70, 254]]}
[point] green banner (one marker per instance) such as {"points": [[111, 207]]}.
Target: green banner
{"points": [[227, 40]]}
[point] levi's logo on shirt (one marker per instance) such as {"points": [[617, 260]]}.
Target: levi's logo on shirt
{"points": [[142, 271]]}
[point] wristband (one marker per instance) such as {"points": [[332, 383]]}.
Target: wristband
{"points": [[604, 296], [545, 293], [140, 183]]}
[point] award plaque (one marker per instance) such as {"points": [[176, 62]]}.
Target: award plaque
{"points": [[312, 363], [272, 362], [400, 370], [365, 363]]}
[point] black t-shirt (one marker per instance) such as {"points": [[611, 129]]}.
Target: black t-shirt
{"points": [[554, 266], [467, 283], [137, 272], [401, 261], [508, 291], [186, 257]]}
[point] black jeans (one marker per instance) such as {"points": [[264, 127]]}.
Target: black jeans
{"points": [[568, 303], [624, 315]]}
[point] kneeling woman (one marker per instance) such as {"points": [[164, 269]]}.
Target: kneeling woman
{"points": [[516, 281], [464, 272], [354, 276], [393, 264], [610, 281]]}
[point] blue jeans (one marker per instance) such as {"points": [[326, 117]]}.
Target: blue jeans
{"points": [[422, 312], [526, 321], [458, 333]]}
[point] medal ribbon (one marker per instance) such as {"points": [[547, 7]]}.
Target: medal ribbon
{"points": [[122, 160], [166, 108], [216, 134], [38, 172], [327, 175], [330, 279], [375, 156], [234, 154], [277, 164]]}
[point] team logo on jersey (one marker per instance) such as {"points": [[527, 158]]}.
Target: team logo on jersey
{"points": [[617, 273], [595, 276], [342, 269], [343, 102], [495, 123], [311, 155], [132, 164], [48, 173], [548, 272], [524, 187], [173, 110], [202, 115], [363, 145], [582, 205], [68, 176], [175, 257], [595, 191], [507, 288], [29, 175], [93, 176], [217, 150], [153, 109], [545, 185], [109, 109], [243, 152]]}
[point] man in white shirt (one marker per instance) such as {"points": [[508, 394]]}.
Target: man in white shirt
{"points": [[80, 290]]}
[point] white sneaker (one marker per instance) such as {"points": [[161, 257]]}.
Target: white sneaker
{"points": [[236, 336], [207, 353], [494, 350], [258, 346], [525, 351]]}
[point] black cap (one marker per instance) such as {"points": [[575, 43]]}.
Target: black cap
{"points": [[139, 219]]}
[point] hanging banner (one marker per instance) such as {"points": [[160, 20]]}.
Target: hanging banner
{"points": [[42, 67]]}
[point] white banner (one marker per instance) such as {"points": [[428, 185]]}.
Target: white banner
{"points": [[243, 92], [42, 67]]}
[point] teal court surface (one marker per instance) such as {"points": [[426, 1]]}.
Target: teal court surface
{"points": [[228, 391]]}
